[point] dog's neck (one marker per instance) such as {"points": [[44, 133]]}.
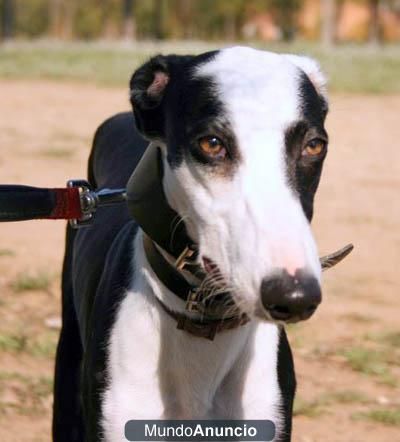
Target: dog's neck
{"points": [[191, 351], [156, 289]]}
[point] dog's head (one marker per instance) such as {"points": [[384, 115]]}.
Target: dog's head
{"points": [[243, 141]]}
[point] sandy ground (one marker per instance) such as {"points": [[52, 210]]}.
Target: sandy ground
{"points": [[347, 356]]}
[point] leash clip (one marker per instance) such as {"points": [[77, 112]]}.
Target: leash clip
{"points": [[91, 199], [86, 201]]}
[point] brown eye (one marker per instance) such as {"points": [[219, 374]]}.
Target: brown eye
{"points": [[212, 147], [314, 147]]}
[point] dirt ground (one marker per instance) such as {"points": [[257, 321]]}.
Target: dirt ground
{"points": [[347, 356]]}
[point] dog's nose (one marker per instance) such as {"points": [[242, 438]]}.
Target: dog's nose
{"points": [[290, 298]]}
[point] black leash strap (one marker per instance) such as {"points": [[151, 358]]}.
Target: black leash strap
{"points": [[77, 202], [20, 203]]}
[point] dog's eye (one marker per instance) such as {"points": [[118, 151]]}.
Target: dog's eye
{"points": [[315, 147], [212, 147]]}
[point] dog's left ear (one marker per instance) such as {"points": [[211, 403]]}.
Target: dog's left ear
{"points": [[147, 90], [313, 71]]}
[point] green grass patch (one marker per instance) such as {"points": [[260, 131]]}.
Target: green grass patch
{"points": [[27, 282], [390, 339], [350, 68], [371, 362], [311, 408], [6, 253], [347, 397], [359, 317], [31, 392], [44, 346], [320, 405], [42, 387], [6, 376], [57, 152], [387, 416], [14, 343]]}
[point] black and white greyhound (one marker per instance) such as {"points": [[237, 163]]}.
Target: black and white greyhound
{"points": [[237, 141]]}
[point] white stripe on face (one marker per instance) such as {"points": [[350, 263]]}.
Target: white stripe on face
{"points": [[250, 223]]}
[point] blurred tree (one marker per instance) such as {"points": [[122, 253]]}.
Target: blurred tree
{"points": [[129, 28], [158, 23], [232, 15], [188, 19], [31, 18], [90, 18], [374, 31], [7, 22], [184, 12], [328, 22], [144, 12], [55, 17], [286, 12], [69, 19]]}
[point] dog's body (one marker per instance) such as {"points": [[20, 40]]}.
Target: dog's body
{"points": [[120, 354]]}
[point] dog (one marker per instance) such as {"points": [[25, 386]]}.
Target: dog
{"points": [[237, 139]]}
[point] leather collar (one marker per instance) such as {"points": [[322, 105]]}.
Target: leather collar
{"points": [[205, 328], [212, 315]]}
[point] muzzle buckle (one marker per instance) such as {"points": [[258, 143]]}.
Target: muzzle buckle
{"points": [[192, 303], [187, 257]]}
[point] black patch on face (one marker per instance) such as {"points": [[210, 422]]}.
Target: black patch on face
{"points": [[193, 110], [304, 173], [186, 110]]}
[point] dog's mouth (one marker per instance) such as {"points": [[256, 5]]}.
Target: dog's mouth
{"points": [[218, 293], [209, 266], [216, 296]]}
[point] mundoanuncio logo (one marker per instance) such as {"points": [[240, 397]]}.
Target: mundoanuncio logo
{"points": [[199, 430]]}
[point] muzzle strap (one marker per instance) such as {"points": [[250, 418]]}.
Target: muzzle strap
{"points": [[206, 326], [166, 273]]}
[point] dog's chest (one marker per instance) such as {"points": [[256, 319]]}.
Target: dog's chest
{"points": [[157, 372]]}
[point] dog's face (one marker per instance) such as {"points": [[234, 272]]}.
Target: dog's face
{"points": [[242, 132]]}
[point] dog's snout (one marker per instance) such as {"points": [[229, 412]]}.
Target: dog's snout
{"points": [[290, 298]]}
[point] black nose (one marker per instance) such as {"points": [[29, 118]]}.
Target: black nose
{"points": [[290, 298]]}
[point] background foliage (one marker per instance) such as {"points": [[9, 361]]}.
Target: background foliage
{"points": [[162, 19]]}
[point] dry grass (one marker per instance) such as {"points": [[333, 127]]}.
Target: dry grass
{"points": [[26, 281], [360, 306], [351, 68], [386, 416]]}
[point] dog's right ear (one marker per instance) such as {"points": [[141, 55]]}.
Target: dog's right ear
{"points": [[147, 89]]}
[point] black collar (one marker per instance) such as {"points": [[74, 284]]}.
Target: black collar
{"points": [[213, 316]]}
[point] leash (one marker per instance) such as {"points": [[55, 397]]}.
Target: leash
{"points": [[77, 202]]}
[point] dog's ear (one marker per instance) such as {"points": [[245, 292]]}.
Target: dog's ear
{"points": [[147, 90], [313, 71]]}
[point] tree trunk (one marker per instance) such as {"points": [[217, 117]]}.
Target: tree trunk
{"points": [[7, 28], [55, 17], [328, 22], [286, 16], [158, 27], [184, 13], [129, 31], [230, 28], [374, 22], [69, 17]]}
